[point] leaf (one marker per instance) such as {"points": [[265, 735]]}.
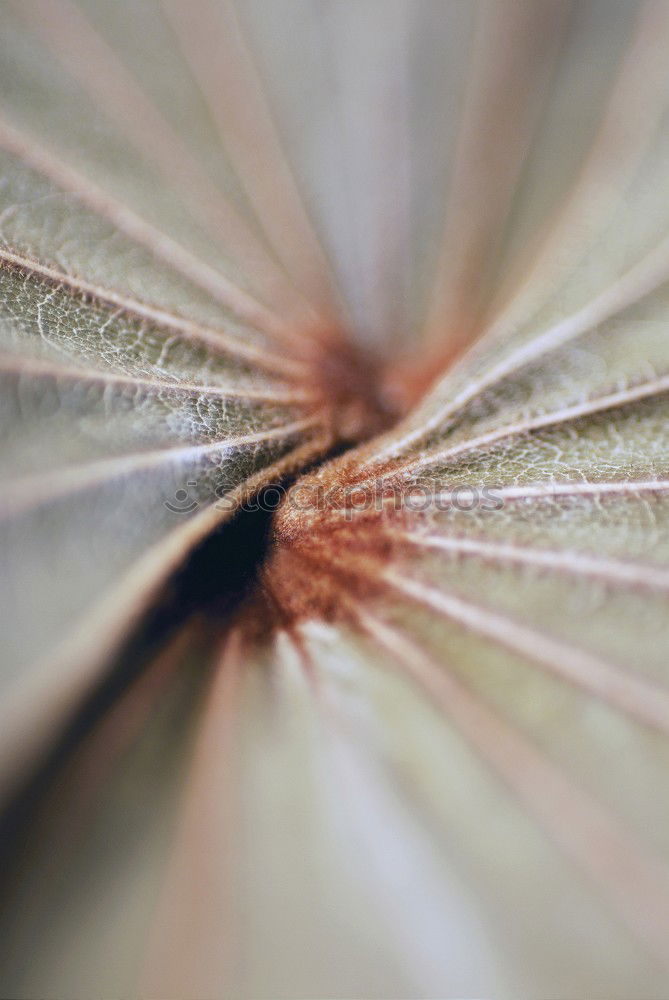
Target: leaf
{"points": [[426, 754], [115, 408]]}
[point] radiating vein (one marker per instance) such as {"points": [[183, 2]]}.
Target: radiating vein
{"points": [[18, 365], [415, 895], [625, 692], [633, 879], [532, 491], [554, 418], [31, 491], [612, 571], [375, 161], [87, 56], [212, 337], [215, 49], [551, 490], [188, 921], [633, 696], [159, 244], [541, 491], [635, 108], [642, 279], [46, 695], [514, 51]]}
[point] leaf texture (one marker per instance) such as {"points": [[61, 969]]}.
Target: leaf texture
{"points": [[118, 399], [427, 755]]}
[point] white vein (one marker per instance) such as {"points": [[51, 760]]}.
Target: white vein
{"points": [[136, 228], [215, 339], [34, 367], [505, 94], [632, 878], [642, 279], [46, 694], [633, 113], [34, 490], [609, 570], [542, 491], [88, 57], [590, 407], [216, 51], [625, 692]]}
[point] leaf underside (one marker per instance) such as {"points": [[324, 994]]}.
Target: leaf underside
{"points": [[426, 754]]}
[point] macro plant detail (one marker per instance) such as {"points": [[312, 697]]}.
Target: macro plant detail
{"points": [[335, 509]]}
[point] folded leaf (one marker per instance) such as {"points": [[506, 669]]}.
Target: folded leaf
{"points": [[426, 753]]}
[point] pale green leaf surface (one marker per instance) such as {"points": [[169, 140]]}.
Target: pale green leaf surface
{"points": [[456, 785], [141, 159], [111, 404], [41, 220], [113, 846]]}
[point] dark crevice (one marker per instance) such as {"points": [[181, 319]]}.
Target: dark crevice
{"points": [[220, 573]]}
